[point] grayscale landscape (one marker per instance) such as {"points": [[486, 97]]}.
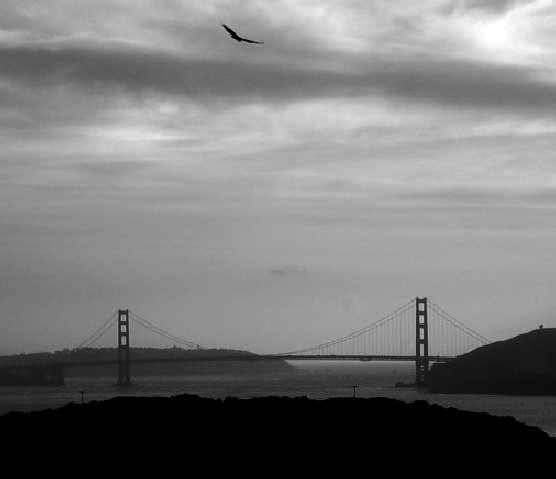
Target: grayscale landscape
{"points": [[310, 199]]}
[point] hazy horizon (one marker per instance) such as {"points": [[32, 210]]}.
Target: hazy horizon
{"points": [[270, 197]]}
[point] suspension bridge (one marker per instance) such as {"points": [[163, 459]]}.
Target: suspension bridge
{"points": [[419, 331]]}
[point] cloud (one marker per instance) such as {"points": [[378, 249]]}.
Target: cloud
{"points": [[138, 72], [483, 197], [465, 196], [112, 170], [488, 6]]}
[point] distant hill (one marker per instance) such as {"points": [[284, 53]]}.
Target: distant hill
{"points": [[525, 364], [221, 362]]}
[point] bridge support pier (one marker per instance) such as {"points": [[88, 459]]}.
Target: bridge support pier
{"points": [[124, 372], [421, 341]]}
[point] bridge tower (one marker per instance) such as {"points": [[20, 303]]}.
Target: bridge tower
{"points": [[421, 341], [124, 375]]}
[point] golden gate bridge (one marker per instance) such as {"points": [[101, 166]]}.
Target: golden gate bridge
{"points": [[419, 331]]}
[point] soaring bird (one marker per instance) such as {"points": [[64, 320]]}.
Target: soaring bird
{"points": [[237, 38]]}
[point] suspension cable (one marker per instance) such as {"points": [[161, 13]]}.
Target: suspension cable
{"points": [[459, 325], [161, 332], [354, 334], [98, 333], [462, 325]]}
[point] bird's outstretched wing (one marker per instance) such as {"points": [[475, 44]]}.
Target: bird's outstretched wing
{"points": [[236, 37], [250, 41], [229, 30]]}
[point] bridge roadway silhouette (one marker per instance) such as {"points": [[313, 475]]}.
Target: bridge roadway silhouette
{"points": [[262, 357], [371, 337]]}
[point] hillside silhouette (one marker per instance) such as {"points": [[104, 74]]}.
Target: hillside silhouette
{"points": [[525, 364], [267, 435]]}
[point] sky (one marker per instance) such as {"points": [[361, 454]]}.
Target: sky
{"points": [[271, 197]]}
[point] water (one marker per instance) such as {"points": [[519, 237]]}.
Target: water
{"points": [[318, 379]]}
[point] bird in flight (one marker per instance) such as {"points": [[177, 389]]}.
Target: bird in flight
{"points": [[237, 38]]}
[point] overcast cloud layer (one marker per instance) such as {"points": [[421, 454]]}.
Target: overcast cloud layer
{"points": [[271, 197]]}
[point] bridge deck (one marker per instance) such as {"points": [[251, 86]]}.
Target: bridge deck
{"points": [[354, 357], [253, 357]]}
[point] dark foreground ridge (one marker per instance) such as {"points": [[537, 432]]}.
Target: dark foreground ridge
{"points": [[525, 365], [238, 433]]}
